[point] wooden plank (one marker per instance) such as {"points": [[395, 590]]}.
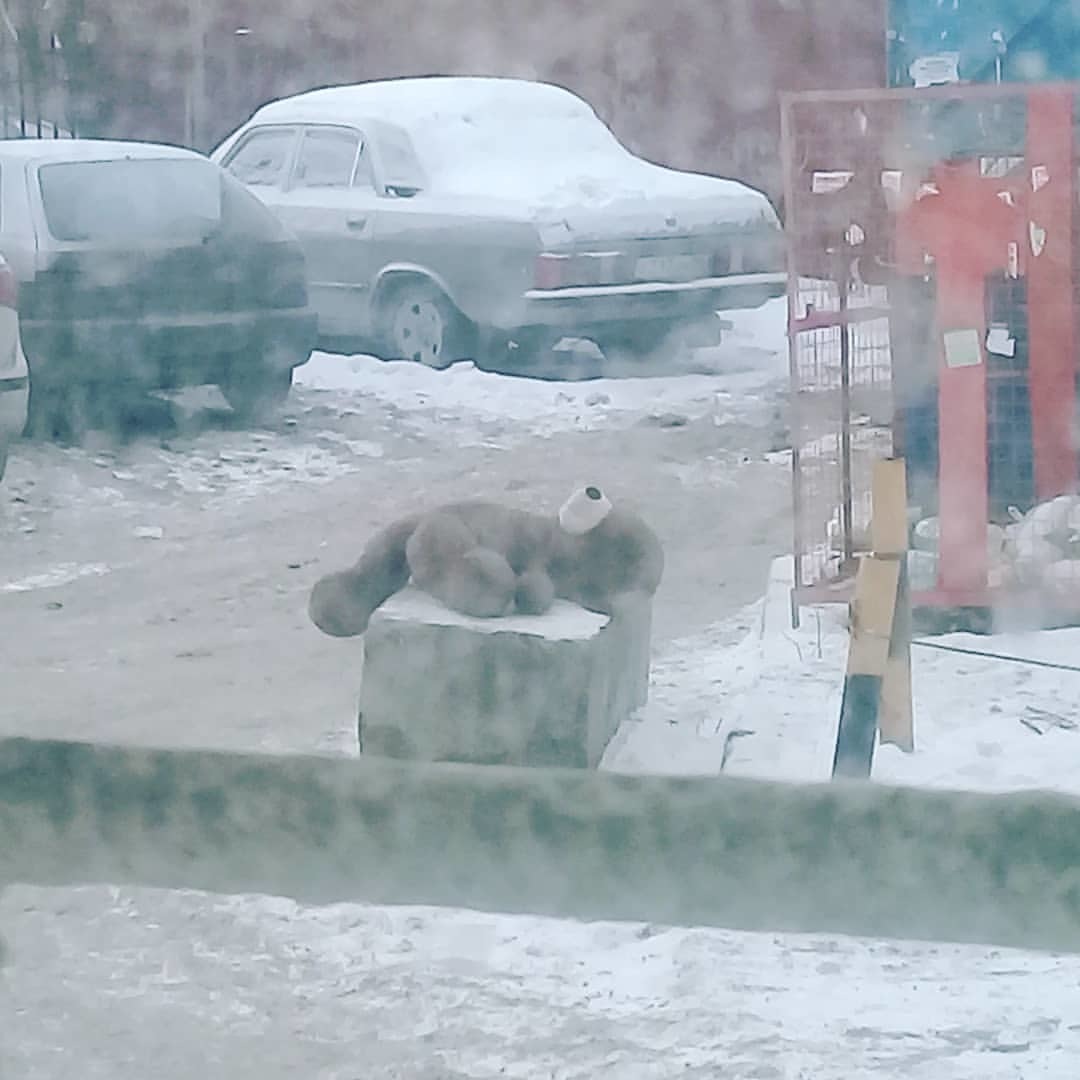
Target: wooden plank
{"points": [[889, 535], [896, 717], [999, 870], [889, 523], [877, 686], [872, 613]]}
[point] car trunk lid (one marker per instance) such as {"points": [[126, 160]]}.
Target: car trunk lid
{"points": [[677, 227], [675, 256]]}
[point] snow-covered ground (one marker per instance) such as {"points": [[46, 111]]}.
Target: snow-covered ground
{"points": [[350, 412], [492, 409], [190, 986], [767, 698], [195, 634]]}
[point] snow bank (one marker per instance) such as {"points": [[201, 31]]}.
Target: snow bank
{"points": [[753, 355], [771, 702], [538, 408]]}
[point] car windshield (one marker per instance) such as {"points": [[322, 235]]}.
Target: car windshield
{"points": [[130, 197]]}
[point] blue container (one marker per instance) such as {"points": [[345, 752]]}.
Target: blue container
{"points": [[979, 41]]}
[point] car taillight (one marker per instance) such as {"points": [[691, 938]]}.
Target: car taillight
{"points": [[9, 287], [551, 270]]}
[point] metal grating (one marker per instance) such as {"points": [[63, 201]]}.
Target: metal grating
{"points": [[841, 409]]}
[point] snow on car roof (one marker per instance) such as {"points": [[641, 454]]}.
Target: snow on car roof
{"points": [[88, 150], [515, 139], [413, 101]]}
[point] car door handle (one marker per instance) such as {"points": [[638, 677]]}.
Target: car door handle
{"points": [[355, 222]]}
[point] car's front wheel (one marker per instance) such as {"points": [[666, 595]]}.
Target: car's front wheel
{"points": [[417, 322]]}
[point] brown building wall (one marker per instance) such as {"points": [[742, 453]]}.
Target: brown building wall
{"points": [[690, 83]]}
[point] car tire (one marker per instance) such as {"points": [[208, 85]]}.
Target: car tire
{"points": [[62, 414], [416, 321], [256, 393]]}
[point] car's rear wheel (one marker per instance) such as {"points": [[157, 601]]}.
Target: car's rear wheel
{"points": [[417, 322]]}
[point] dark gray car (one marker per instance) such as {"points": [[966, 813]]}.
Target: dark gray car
{"points": [[146, 267], [444, 217]]}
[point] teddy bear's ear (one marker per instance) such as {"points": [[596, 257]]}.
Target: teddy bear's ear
{"points": [[584, 510]]}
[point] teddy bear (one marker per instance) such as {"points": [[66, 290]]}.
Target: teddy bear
{"points": [[487, 560]]}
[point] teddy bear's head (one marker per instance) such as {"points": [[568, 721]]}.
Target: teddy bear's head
{"points": [[584, 510], [601, 551]]}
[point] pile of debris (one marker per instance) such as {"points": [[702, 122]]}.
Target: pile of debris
{"points": [[1035, 552]]}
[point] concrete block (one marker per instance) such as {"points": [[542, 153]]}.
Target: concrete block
{"points": [[523, 690]]}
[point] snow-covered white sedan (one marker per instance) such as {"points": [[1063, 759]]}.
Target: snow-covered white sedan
{"points": [[443, 217], [14, 378]]}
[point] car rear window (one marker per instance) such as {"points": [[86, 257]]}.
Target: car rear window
{"points": [[99, 200]]}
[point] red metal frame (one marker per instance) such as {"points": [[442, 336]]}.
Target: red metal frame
{"points": [[1049, 282], [971, 225]]}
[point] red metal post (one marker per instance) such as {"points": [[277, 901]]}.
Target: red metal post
{"points": [[963, 492], [967, 227], [1051, 318]]}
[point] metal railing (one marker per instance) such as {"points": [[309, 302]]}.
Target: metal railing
{"points": [[35, 93]]}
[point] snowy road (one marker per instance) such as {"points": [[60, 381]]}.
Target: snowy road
{"points": [[191, 986], [155, 593], [188, 556]]}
